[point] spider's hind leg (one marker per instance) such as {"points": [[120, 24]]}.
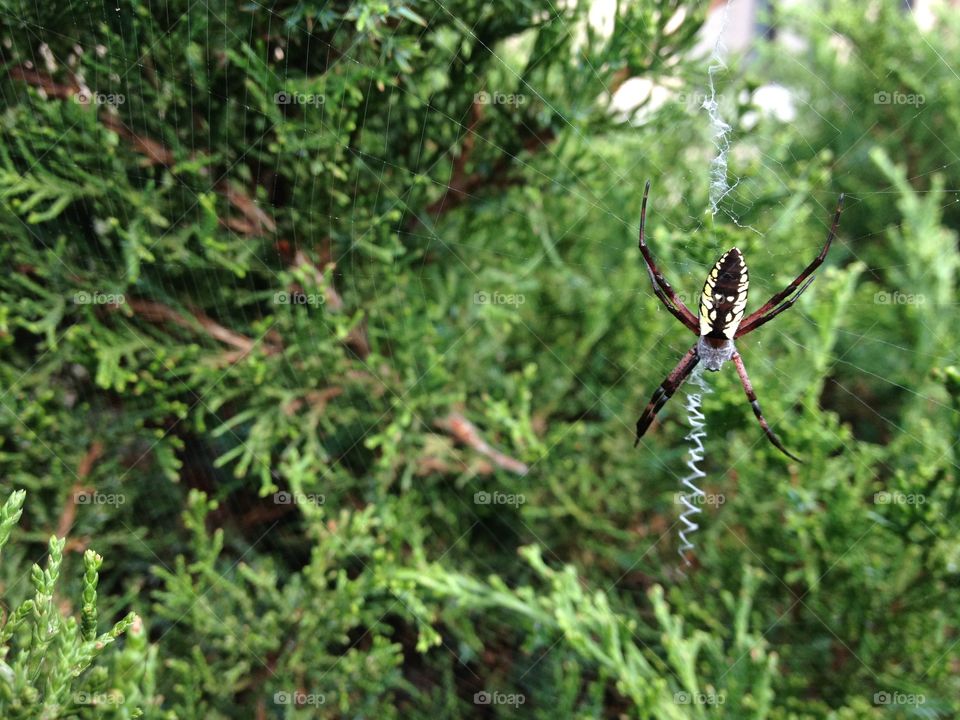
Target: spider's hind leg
{"points": [[666, 390], [752, 397]]}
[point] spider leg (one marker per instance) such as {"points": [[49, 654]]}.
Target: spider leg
{"points": [[677, 313], [786, 304], [661, 287], [666, 390], [752, 397], [753, 321]]}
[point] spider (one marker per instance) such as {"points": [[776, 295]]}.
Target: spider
{"points": [[721, 321]]}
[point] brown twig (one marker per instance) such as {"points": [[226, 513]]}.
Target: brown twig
{"points": [[69, 512], [466, 432], [257, 221], [42, 81], [155, 153], [356, 339], [463, 186], [457, 187], [317, 399], [153, 311]]}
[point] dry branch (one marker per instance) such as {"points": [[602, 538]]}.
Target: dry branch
{"points": [[466, 432]]}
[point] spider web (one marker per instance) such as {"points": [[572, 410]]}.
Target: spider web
{"points": [[685, 250]]}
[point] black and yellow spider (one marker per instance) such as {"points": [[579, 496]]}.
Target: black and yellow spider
{"points": [[721, 320]]}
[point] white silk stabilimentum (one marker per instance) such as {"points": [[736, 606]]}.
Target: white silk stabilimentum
{"points": [[695, 437]]}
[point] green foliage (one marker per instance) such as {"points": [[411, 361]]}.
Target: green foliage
{"points": [[331, 335], [51, 665], [242, 616], [677, 683]]}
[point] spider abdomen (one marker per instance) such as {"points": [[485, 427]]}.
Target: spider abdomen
{"points": [[724, 297]]}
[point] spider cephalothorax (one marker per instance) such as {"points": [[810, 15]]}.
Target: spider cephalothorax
{"points": [[720, 320]]}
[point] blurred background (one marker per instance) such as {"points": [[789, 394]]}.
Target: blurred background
{"points": [[325, 325]]}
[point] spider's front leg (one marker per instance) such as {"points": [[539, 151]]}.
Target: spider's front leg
{"points": [[661, 288], [666, 390], [773, 307]]}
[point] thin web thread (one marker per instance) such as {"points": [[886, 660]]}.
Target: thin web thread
{"points": [[719, 187], [696, 436]]}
